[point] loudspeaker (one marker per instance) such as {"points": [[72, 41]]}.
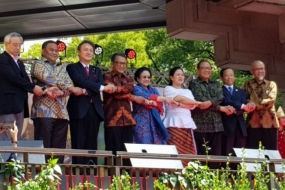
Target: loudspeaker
{"points": [[32, 158]]}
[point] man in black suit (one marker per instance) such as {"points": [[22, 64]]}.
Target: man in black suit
{"points": [[86, 111], [235, 132], [14, 85]]}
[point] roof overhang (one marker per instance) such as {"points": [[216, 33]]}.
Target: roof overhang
{"points": [[35, 19]]}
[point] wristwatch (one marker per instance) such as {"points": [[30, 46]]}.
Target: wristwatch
{"points": [[44, 89]]}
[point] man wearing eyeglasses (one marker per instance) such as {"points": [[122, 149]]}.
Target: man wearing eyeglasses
{"points": [[119, 121], [207, 115], [262, 121]]}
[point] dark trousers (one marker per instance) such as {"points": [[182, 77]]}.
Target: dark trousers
{"points": [[235, 140], [115, 137], [53, 132], [214, 141], [84, 133], [268, 138]]}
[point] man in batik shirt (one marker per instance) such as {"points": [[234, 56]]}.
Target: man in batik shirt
{"points": [[119, 121], [49, 114], [262, 122], [207, 115]]}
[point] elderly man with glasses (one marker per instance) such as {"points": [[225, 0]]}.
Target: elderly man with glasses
{"points": [[262, 122], [119, 121]]}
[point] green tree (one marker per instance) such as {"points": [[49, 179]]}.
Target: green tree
{"points": [[111, 43], [2, 48], [34, 52], [166, 52]]}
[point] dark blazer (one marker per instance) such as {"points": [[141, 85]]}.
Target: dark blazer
{"points": [[78, 106], [230, 122], [14, 85]]}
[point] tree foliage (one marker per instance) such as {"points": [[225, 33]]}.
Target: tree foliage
{"points": [[166, 52], [34, 52], [154, 49]]}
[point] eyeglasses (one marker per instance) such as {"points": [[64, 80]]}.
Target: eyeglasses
{"points": [[120, 63], [146, 77], [205, 68]]}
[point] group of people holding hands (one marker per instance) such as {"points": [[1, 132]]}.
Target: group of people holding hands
{"points": [[70, 94]]}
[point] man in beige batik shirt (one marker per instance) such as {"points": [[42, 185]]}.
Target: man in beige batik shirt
{"points": [[261, 121], [49, 113]]}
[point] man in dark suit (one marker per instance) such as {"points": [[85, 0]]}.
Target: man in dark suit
{"points": [[235, 133], [86, 111], [14, 85]]}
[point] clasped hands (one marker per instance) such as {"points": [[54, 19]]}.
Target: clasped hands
{"points": [[55, 92], [110, 88], [174, 103], [52, 92], [227, 109], [249, 107]]}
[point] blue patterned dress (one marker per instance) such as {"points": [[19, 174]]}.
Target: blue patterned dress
{"points": [[149, 128]]}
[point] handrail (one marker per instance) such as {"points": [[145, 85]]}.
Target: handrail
{"points": [[211, 158], [122, 154], [57, 151]]}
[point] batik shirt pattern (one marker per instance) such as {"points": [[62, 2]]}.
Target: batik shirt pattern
{"points": [[47, 75], [207, 120], [264, 96]]}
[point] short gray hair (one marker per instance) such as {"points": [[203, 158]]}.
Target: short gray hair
{"points": [[8, 37]]}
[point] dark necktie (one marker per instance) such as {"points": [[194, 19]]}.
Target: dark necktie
{"points": [[87, 70], [87, 73], [230, 90], [17, 63]]}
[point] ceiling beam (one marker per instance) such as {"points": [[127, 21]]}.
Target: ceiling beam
{"points": [[95, 31], [67, 8]]}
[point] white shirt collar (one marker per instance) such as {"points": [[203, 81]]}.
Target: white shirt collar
{"points": [[84, 65], [232, 86], [16, 58]]}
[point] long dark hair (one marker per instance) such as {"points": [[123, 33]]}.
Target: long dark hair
{"points": [[172, 72], [139, 72]]}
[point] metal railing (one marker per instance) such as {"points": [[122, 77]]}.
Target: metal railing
{"points": [[101, 175]]}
